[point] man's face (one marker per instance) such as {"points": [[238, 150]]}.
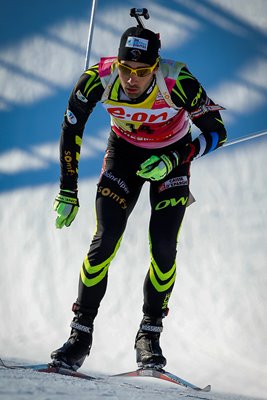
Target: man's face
{"points": [[132, 84]]}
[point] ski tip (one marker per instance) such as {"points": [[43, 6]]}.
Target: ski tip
{"points": [[206, 389]]}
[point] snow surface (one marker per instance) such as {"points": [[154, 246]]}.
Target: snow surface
{"points": [[217, 328]]}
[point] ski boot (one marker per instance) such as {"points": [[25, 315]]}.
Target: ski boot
{"points": [[148, 351], [73, 353]]}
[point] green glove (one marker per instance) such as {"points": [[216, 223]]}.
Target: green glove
{"points": [[157, 167], [66, 205]]}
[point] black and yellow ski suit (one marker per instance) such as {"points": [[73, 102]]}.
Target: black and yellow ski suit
{"points": [[119, 187]]}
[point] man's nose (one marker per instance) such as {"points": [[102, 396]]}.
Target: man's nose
{"points": [[132, 78]]}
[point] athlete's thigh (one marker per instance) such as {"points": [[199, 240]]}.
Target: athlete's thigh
{"points": [[118, 189], [168, 200]]}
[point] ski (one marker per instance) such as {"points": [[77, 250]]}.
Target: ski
{"points": [[141, 372], [164, 375], [49, 368]]}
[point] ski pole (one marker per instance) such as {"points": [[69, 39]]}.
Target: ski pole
{"points": [[244, 138], [90, 35]]}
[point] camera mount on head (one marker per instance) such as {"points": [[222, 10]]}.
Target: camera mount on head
{"points": [[139, 12]]}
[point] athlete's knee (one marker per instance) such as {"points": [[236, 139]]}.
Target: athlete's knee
{"points": [[104, 245], [164, 253]]}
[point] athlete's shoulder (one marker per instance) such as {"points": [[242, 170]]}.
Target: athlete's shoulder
{"points": [[105, 66], [89, 83], [170, 68]]}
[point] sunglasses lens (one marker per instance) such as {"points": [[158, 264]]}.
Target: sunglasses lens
{"points": [[143, 72], [124, 70]]}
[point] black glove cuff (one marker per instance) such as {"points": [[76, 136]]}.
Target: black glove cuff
{"points": [[68, 193], [68, 197]]}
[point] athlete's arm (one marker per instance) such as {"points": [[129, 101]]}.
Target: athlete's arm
{"points": [[84, 96], [189, 94]]}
